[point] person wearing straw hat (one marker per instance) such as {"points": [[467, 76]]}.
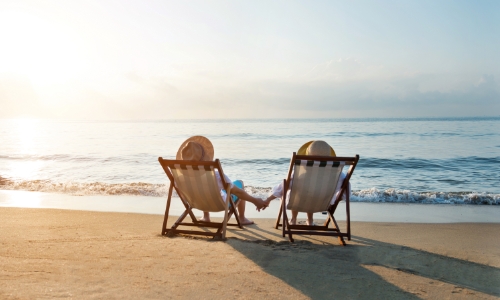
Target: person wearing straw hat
{"points": [[200, 148], [316, 148]]}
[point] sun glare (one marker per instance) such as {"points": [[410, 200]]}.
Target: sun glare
{"points": [[26, 134], [37, 49], [27, 170], [22, 199]]}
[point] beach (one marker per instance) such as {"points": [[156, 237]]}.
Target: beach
{"points": [[55, 253], [81, 215], [390, 113]]}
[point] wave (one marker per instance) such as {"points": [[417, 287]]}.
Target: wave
{"points": [[489, 165], [356, 134], [373, 195], [442, 164], [406, 196], [365, 162], [58, 157], [80, 158], [86, 189]]}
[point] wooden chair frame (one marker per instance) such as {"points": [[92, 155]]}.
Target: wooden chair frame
{"points": [[324, 230], [220, 226]]}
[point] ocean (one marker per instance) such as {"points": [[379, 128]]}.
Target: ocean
{"points": [[420, 160]]}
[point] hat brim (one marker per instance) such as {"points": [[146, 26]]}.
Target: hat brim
{"points": [[204, 142], [302, 150]]}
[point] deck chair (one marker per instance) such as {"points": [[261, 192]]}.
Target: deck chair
{"points": [[314, 183], [196, 185]]}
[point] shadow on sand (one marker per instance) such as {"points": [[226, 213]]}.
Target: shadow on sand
{"points": [[335, 271]]}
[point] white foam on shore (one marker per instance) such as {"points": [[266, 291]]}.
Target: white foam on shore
{"points": [[373, 195], [88, 189], [406, 196]]}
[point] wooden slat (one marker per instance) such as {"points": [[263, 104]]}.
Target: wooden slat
{"points": [[340, 234], [177, 231]]}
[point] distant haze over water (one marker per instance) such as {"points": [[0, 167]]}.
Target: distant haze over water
{"points": [[424, 160]]}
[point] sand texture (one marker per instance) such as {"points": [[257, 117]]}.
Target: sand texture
{"points": [[48, 253]]}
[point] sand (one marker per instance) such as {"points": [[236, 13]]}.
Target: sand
{"points": [[51, 253]]}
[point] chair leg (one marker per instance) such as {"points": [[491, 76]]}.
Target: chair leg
{"points": [[171, 231], [181, 218], [165, 219], [288, 230], [236, 213], [279, 218], [167, 209], [285, 219], [226, 211], [335, 224], [218, 235], [348, 215], [193, 217]]}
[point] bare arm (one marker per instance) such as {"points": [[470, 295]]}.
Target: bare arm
{"points": [[259, 203]]}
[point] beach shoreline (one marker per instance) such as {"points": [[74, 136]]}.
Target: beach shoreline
{"points": [[360, 211], [50, 253]]}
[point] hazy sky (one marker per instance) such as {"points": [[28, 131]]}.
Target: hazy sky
{"points": [[248, 59]]}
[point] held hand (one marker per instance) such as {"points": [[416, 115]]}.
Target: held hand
{"points": [[266, 205], [260, 204]]}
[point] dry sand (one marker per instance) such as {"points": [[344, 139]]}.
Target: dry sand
{"points": [[49, 253]]}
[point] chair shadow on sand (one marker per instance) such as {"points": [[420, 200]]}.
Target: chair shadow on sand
{"points": [[335, 271]]}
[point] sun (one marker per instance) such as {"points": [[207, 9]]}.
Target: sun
{"points": [[43, 51]]}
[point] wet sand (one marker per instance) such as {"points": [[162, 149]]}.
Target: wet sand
{"points": [[52, 253], [360, 211]]}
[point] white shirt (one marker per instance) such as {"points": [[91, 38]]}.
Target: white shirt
{"points": [[277, 191], [221, 186]]}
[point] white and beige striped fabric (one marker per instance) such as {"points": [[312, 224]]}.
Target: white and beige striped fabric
{"points": [[198, 186], [314, 184]]}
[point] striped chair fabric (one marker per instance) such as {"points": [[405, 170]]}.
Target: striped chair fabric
{"points": [[198, 185], [314, 184]]}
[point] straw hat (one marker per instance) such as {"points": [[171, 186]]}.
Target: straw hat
{"points": [[196, 148], [317, 148]]}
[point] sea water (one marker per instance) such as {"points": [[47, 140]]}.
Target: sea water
{"points": [[435, 160]]}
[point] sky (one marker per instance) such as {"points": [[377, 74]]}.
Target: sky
{"points": [[159, 60]]}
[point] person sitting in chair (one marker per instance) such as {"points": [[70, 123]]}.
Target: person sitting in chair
{"points": [[200, 148], [314, 148]]}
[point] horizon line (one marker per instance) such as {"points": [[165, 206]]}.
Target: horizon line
{"points": [[359, 119]]}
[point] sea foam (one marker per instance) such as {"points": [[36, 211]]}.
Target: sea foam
{"points": [[374, 195]]}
